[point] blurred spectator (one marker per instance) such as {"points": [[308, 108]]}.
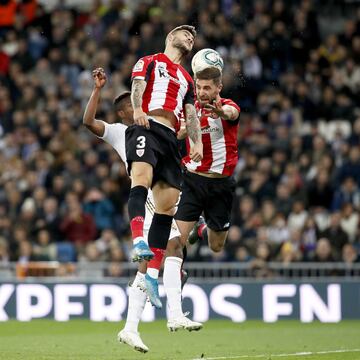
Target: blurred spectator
{"points": [[298, 216], [49, 219], [323, 251], [350, 221], [351, 168], [233, 241], [336, 236], [320, 192], [105, 243], [258, 264], [4, 252], [25, 252], [348, 193], [44, 250], [100, 208], [77, 226], [310, 236], [349, 254]]}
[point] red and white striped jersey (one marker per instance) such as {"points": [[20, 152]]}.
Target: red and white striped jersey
{"points": [[169, 86], [219, 139]]}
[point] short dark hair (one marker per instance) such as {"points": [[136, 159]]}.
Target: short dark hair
{"points": [[210, 73], [189, 28], [119, 99]]}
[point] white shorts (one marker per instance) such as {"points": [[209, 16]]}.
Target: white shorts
{"points": [[149, 213]]}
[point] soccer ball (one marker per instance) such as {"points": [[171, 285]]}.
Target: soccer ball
{"points": [[206, 58]]}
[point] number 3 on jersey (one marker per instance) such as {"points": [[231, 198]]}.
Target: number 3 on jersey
{"points": [[141, 143]]}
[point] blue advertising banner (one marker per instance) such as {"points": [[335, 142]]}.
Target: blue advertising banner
{"points": [[269, 301]]}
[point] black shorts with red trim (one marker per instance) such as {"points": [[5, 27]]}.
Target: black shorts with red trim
{"points": [[158, 147], [213, 196]]}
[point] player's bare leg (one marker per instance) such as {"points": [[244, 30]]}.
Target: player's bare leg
{"points": [[165, 198], [137, 299], [216, 239], [141, 178]]}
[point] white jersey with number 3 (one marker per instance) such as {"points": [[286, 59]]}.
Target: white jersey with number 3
{"points": [[114, 134]]}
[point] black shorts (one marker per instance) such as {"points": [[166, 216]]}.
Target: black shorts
{"points": [[213, 196], [158, 147]]}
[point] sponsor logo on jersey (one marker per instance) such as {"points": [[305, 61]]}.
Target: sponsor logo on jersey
{"points": [[164, 73], [209, 129]]}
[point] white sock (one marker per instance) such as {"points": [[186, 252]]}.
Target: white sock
{"points": [[172, 285], [154, 273], [137, 301]]}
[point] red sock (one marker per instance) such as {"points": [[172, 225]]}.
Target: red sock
{"points": [[156, 261], [201, 228], [137, 227]]}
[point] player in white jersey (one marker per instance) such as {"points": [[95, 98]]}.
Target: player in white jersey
{"points": [[114, 134]]}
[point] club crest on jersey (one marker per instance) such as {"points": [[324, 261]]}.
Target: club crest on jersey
{"points": [[140, 152], [139, 66]]}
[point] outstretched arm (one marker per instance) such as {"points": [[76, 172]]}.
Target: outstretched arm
{"points": [[194, 132], [225, 112], [137, 91], [95, 126]]}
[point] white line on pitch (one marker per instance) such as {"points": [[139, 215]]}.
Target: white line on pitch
{"points": [[305, 353]]}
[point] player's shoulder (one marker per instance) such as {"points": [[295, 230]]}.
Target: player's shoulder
{"points": [[149, 57], [143, 62], [120, 127], [230, 102]]}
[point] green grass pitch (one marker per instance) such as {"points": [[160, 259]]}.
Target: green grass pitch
{"points": [[219, 340]]}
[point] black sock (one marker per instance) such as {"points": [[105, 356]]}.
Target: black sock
{"points": [[136, 206], [136, 203], [160, 231]]}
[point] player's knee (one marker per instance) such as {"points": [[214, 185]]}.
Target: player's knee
{"points": [[174, 248], [165, 206], [141, 176], [216, 247]]}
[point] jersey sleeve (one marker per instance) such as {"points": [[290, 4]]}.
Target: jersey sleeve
{"points": [[229, 102], [114, 135], [190, 95], [143, 68]]}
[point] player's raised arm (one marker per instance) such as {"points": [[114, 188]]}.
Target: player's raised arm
{"points": [[95, 126], [194, 132]]}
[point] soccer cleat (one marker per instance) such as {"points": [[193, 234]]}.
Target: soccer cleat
{"points": [[182, 322], [152, 291], [132, 339], [141, 251], [184, 277], [194, 236]]}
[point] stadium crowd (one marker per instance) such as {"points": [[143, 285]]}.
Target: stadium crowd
{"points": [[63, 192]]}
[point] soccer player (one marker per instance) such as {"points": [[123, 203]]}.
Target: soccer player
{"points": [[114, 134], [208, 186], [161, 90]]}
